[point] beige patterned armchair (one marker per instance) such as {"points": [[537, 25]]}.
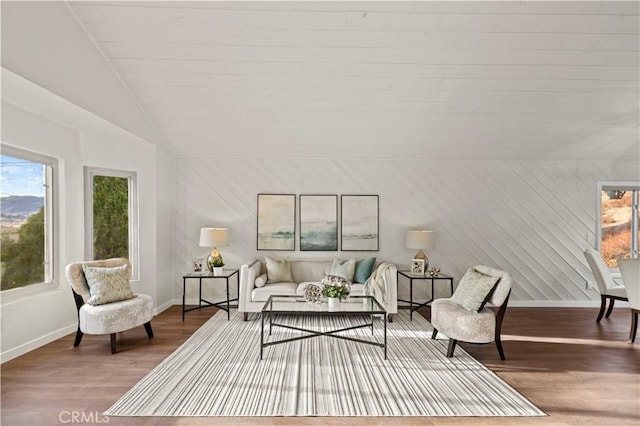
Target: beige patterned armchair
{"points": [[109, 318], [473, 326]]}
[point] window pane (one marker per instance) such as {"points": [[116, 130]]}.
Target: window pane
{"points": [[616, 224], [110, 217], [22, 222]]}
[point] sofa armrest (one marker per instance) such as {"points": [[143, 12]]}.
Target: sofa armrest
{"points": [[248, 273]]}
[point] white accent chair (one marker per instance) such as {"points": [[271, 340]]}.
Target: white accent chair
{"points": [[110, 318], [630, 271], [608, 288], [462, 325]]}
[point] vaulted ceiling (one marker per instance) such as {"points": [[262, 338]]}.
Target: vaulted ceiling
{"points": [[469, 80]]}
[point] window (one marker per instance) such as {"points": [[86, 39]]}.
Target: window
{"points": [[26, 181], [618, 228], [111, 215]]}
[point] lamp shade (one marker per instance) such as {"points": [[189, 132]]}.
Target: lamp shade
{"points": [[214, 237], [421, 240]]}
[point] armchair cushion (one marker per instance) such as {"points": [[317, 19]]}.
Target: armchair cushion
{"points": [[107, 285], [278, 270], [474, 290], [460, 324], [116, 317]]}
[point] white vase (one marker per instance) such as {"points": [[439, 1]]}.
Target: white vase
{"points": [[217, 271], [333, 302]]}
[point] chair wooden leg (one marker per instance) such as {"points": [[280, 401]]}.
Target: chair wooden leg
{"points": [[499, 346], [434, 334], [147, 327], [603, 302], [79, 335], [390, 318], [114, 348], [451, 348], [634, 325], [611, 303], [245, 316]]}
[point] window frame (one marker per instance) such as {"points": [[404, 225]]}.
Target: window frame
{"points": [[627, 186], [133, 226], [50, 237]]}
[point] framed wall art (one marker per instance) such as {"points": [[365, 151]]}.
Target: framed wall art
{"points": [[359, 223], [276, 222], [318, 222]]}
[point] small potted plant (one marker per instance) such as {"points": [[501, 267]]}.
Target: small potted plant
{"points": [[334, 293], [215, 264]]}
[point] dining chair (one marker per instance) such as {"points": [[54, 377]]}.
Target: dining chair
{"points": [[630, 271], [609, 290]]}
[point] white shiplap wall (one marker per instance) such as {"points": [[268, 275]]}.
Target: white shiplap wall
{"points": [[533, 219]]}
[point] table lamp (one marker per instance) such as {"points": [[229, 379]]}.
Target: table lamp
{"points": [[421, 240], [214, 237]]}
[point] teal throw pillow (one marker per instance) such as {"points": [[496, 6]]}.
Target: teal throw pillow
{"points": [[364, 268]]}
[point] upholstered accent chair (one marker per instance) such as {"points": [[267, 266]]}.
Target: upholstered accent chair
{"points": [[630, 271], [608, 288], [112, 317], [474, 324]]}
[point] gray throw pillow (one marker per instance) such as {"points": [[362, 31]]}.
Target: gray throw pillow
{"points": [[474, 290], [107, 285], [344, 269]]}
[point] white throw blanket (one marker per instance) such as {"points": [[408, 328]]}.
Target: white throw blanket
{"points": [[375, 285]]}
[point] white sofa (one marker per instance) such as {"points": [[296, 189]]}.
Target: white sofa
{"points": [[252, 298]]}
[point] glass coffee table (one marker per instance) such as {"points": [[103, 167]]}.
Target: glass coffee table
{"points": [[365, 307]]}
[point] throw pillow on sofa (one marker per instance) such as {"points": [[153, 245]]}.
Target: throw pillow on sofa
{"points": [[364, 268], [343, 268], [474, 290], [261, 280], [278, 270]]}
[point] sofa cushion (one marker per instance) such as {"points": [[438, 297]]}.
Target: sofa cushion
{"points": [[343, 268], [107, 285], [364, 268], [278, 270], [474, 290], [261, 280], [261, 294]]}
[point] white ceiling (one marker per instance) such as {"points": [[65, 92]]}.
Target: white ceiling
{"points": [[427, 80]]}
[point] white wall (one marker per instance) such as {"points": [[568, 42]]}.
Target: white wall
{"points": [[32, 320], [531, 218]]}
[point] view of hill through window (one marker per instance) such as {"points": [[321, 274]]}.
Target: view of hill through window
{"points": [[22, 222], [616, 226]]}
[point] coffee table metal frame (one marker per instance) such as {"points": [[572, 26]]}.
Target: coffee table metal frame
{"points": [[365, 306]]}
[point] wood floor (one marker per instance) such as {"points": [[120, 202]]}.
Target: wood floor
{"points": [[577, 371]]}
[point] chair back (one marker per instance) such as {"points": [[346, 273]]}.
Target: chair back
{"points": [[77, 280], [630, 271], [600, 271], [503, 287]]}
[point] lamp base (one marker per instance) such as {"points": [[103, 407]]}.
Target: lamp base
{"points": [[214, 260]]}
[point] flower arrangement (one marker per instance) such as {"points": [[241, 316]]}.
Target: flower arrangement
{"points": [[335, 291]]}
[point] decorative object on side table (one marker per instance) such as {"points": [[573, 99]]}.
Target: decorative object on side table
{"points": [[421, 240], [214, 237], [434, 272], [417, 266]]}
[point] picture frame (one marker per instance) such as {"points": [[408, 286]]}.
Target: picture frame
{"points": [[359, 223], [318, 222], [276, 222], [197, 265], [418, 266]]}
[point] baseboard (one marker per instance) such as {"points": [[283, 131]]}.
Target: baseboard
{"points": [[161, 308], [36, 343], [560, 304]]}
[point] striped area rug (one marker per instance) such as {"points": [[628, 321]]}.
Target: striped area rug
{"points": [[217, 372]]}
